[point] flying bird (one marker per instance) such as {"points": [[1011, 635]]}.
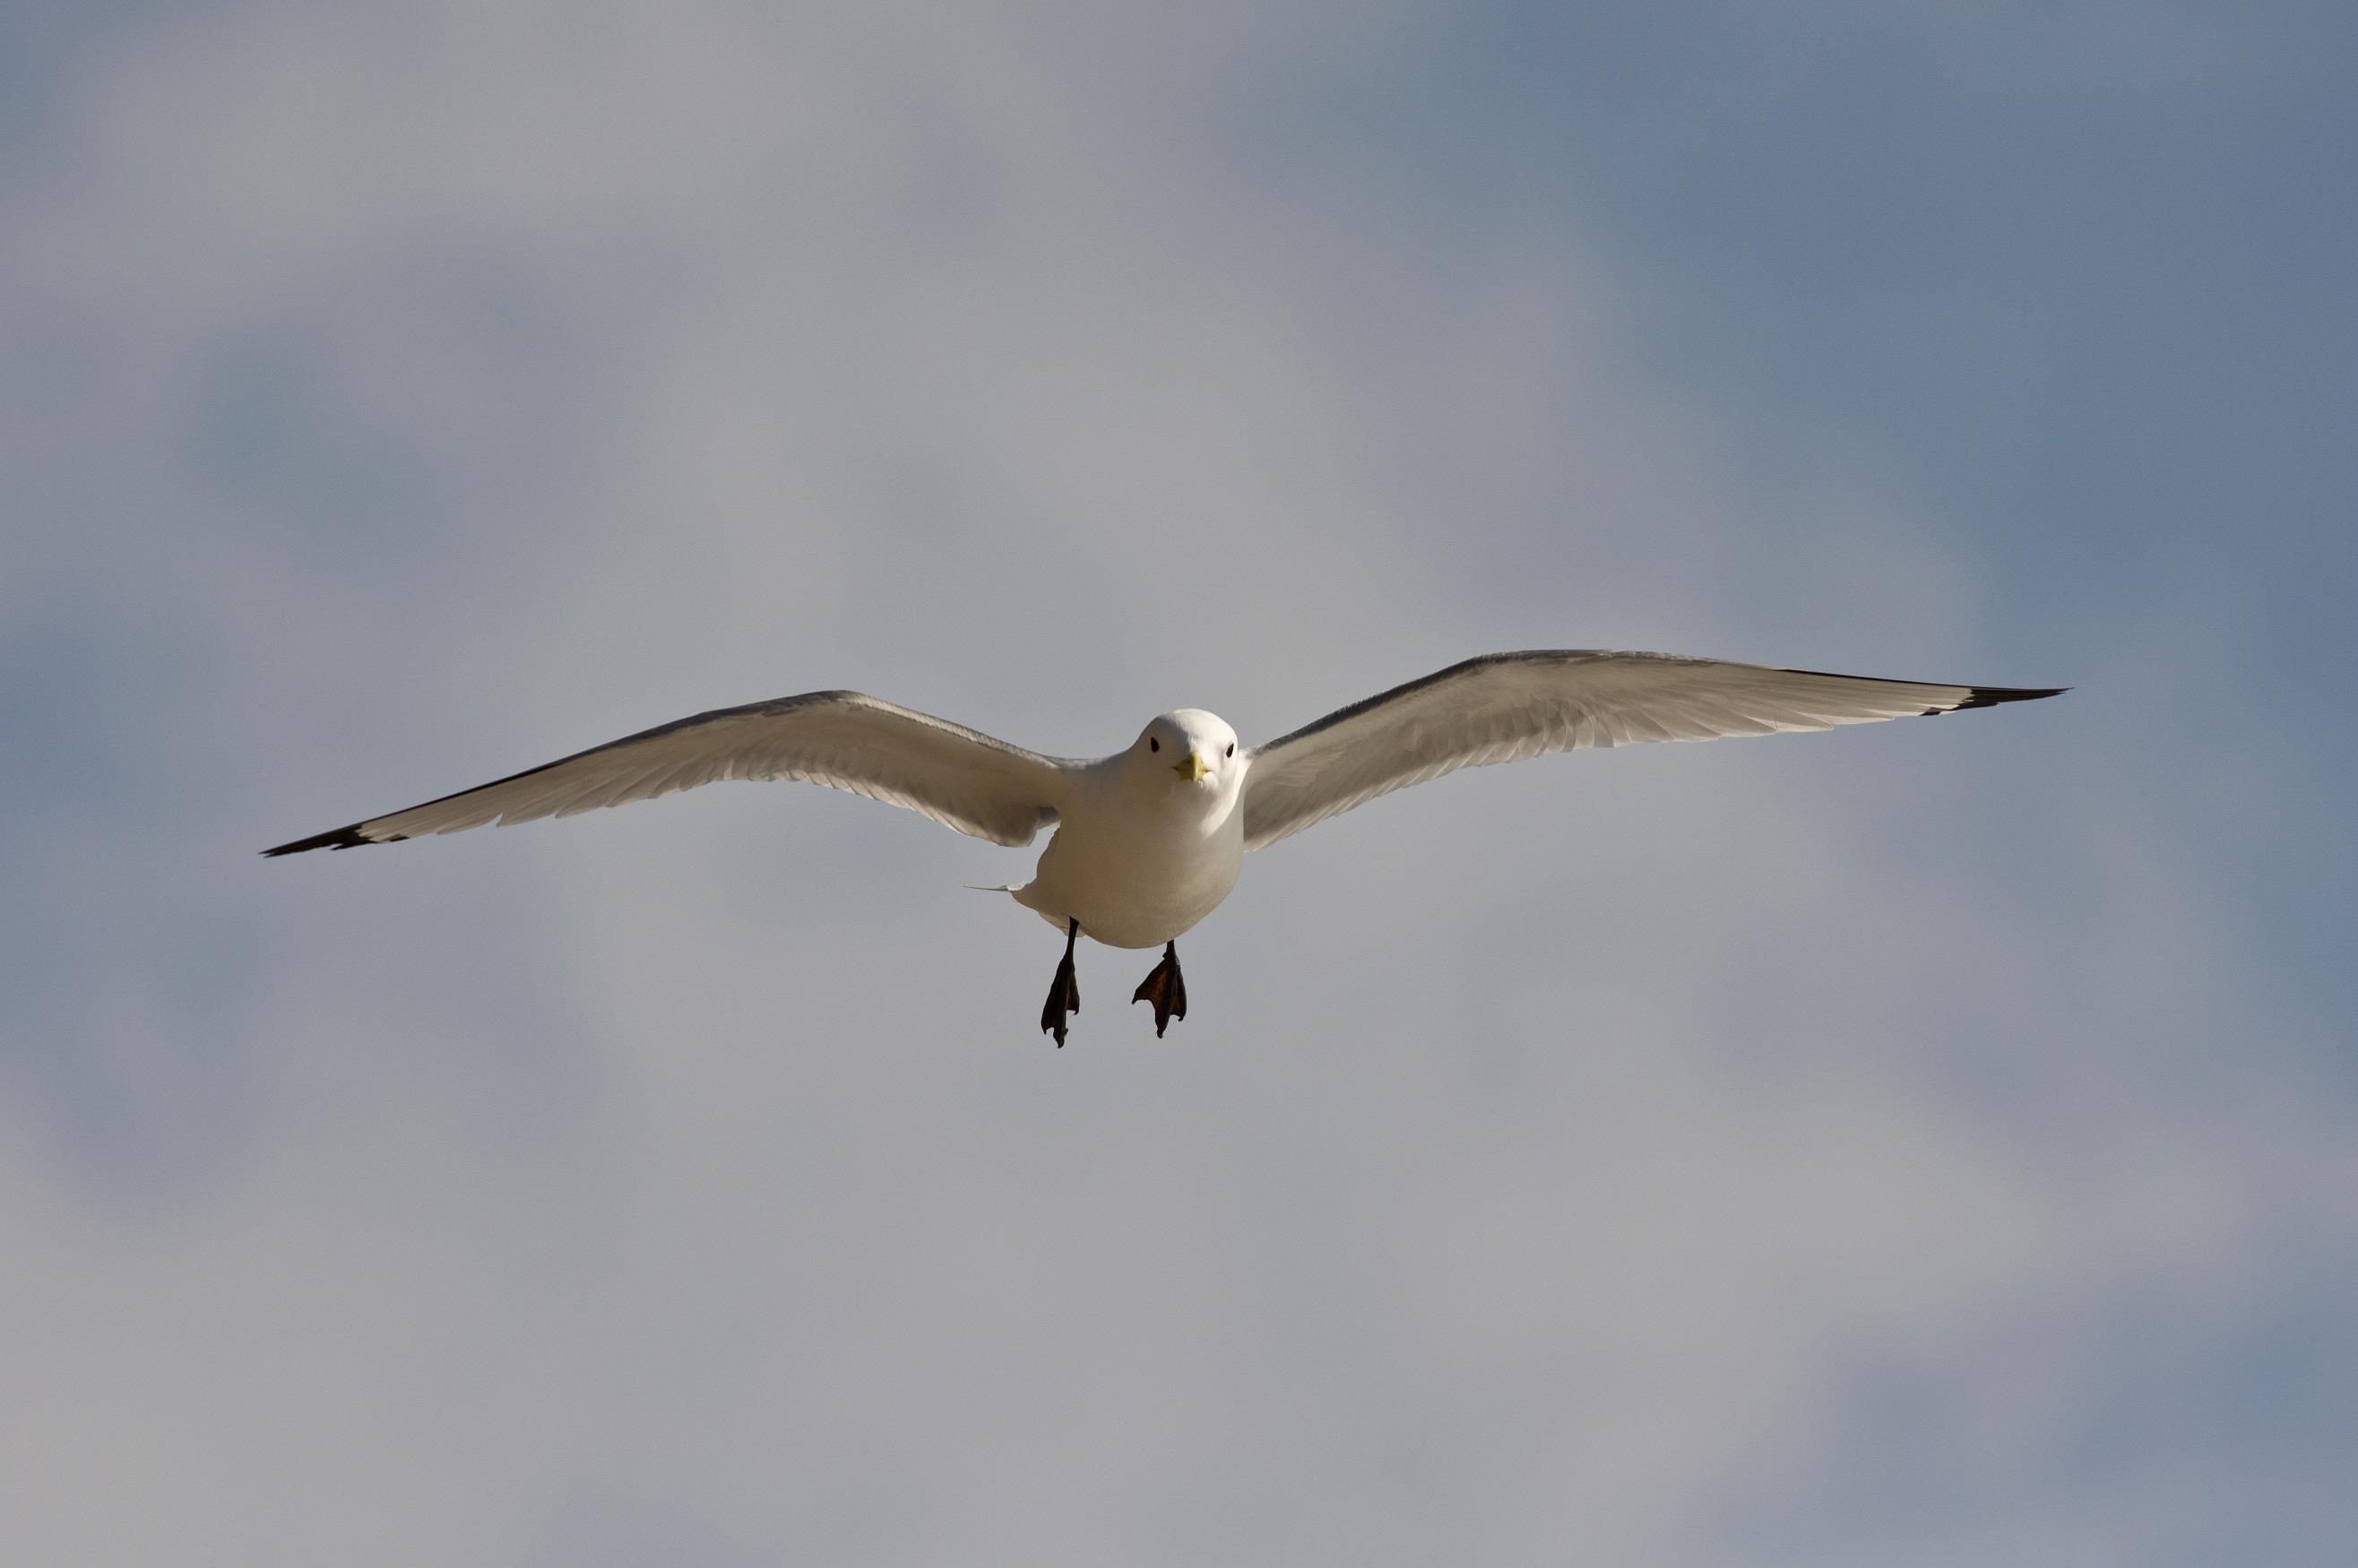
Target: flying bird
{"points": [[1149, 840]]}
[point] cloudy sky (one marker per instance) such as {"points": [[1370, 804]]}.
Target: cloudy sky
{"points": [[1934, 1143]]}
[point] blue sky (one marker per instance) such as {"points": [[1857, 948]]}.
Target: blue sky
{"points": [[1930, 1144]]}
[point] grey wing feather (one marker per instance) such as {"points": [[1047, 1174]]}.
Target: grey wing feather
{"points": [[842, 739], [1502, 708]]}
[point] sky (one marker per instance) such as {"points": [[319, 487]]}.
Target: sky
{"points": [[1932, 1144]]}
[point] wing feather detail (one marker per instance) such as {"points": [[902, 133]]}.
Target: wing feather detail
{"points": [[844, 740], [1504, 707]]}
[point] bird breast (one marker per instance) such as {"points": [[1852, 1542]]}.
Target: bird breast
{"points": [[1138, 877]]}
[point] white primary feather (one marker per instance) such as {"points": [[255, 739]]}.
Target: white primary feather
{"points": [[1502, 708], [842, 739]]}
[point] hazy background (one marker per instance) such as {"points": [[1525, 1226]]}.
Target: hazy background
{"points": [[1930, 1144]]}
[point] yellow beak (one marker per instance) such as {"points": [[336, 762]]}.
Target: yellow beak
{"points": [[1194, 768]]}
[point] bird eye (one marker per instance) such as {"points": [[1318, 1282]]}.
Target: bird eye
{"points": [[1232, 748], [1153, 744]]}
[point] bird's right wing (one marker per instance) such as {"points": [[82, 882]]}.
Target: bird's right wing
{"points": [[841, 738], [1505, 707]]}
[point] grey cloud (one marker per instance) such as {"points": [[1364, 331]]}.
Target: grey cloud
{"points": [[1624, 1157]]}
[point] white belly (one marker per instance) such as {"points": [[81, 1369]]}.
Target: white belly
{"points": [[1134, 882]]}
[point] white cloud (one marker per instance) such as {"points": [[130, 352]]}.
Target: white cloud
{"points": [[1550, 1150]]}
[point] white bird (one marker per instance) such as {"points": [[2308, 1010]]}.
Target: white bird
{"points": [[1149, 840]]}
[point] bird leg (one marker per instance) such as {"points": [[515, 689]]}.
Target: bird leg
{"points": [[1064, 992], [1165, 989]]}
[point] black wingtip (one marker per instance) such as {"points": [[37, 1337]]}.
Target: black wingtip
{"points": [[342, 839], [1991, 696]]}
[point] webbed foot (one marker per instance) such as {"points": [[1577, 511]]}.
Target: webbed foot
{"points": [[1165, 989], [1064, 992]]}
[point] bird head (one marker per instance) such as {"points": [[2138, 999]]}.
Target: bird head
{"points": [[1195, 749]]}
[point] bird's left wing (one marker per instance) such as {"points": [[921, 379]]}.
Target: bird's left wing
{"points": [[841, 738], [1505, 707]]}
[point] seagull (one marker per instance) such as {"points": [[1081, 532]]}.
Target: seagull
{"points": [[1147, 841]]}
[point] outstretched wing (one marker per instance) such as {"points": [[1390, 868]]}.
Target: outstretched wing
{"points": [[840, 739], [1502, 708]]}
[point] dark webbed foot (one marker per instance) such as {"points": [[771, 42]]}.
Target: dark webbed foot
{"points": [[1064, 992], [1165, 989]]}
